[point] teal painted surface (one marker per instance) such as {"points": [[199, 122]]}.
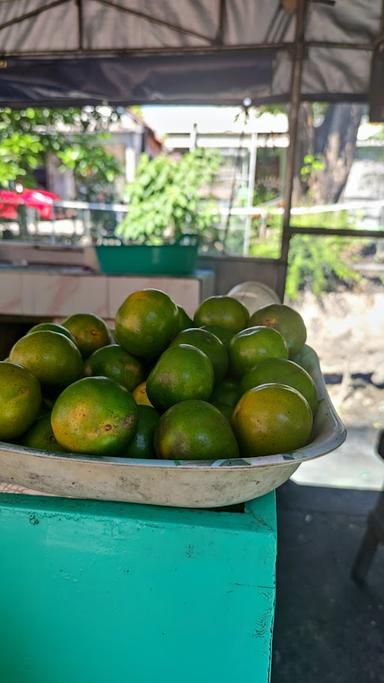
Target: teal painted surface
{"points": [[102, 592], [166, 259]]}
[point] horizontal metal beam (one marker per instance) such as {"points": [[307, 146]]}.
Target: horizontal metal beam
{"points": [[339, 45], [338, 232], [206, 49], [142, 52]]}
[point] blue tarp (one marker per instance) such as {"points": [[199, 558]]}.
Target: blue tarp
{"points": [[133, 79]]}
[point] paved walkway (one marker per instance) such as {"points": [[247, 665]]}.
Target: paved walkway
{"points": [[327, 629], [354, 465]]}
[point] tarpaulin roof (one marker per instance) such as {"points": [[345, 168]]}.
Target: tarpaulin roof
{"points": [[62, 52]]}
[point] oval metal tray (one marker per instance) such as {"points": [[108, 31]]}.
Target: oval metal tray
{"points": [[195, 484]]}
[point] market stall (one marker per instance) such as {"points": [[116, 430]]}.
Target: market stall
{"points": [[192, 591]]}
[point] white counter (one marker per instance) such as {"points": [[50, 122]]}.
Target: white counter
{"points": [[56, 294]]}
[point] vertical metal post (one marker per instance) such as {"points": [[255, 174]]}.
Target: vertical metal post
{"points": [[296, 78], [23, 221], [193, 138], [80, 23], [382, 18], [251, 191]]}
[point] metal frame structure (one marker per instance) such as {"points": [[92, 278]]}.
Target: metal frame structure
{"points": [[288, 230], [297, 48]]}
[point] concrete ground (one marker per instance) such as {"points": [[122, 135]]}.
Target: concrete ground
{"points": [[355, 465], [329, 630]]}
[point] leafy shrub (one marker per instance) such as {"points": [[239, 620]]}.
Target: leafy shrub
{"points": [[166, 199]]}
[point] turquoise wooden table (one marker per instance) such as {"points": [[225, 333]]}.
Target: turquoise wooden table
{"points": [[94, 592]]}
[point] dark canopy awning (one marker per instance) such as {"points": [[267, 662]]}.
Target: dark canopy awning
{"points": [[62, 52]]}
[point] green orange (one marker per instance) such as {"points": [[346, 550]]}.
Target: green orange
{"points": [[47, 405], [270, 419], [53, 327], [227, 393], [41, 436], [20, 400], [194, 430], [184, 320], [282, 371], [50, 356], [95, 416], [253, 345], [89, 331], [224, 335], [227, 411], [142, 445], [146, 323], [287, 321], [140, 395], [113, 362], [182, 372], [209, 344], [222, 311]]}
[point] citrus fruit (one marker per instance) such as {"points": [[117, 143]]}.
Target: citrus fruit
{"points": [[194, 430], [287, 321], [113, 362], [253, 345], [51, 357], [94, 415], [272, 418], [184, 319], [209, 344], [20, 400], [47, 405], [142, 445], [282, 371], [224, 335], [227, 411], [140, 395], [146, 322], [182, 372], [41, 436], [53, 327], [89, 331], [227, 393], [222, 311]]}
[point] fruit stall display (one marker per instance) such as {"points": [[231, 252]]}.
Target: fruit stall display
{"points": [[162, 408]]}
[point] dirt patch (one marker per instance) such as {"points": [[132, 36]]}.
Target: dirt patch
{"points": [[346, 328]]}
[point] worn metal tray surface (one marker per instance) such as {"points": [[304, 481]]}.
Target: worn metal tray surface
{"points": [[169, 482]]}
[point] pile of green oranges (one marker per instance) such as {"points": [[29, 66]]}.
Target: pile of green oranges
{"points": [[160, 385]]}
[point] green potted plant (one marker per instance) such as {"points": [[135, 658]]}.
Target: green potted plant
{"points": [[169, 212]]}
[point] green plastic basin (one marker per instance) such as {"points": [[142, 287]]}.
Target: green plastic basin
{"points": [[174, 259]]}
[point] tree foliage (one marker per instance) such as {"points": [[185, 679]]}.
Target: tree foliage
{"points": [[319, 263], [169, 197], [75, 136], [325, 152], [329, 135]]}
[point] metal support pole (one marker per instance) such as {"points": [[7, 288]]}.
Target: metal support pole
{"points": [[251, 191], [80, 23], [296, 78], [193, 138]]}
